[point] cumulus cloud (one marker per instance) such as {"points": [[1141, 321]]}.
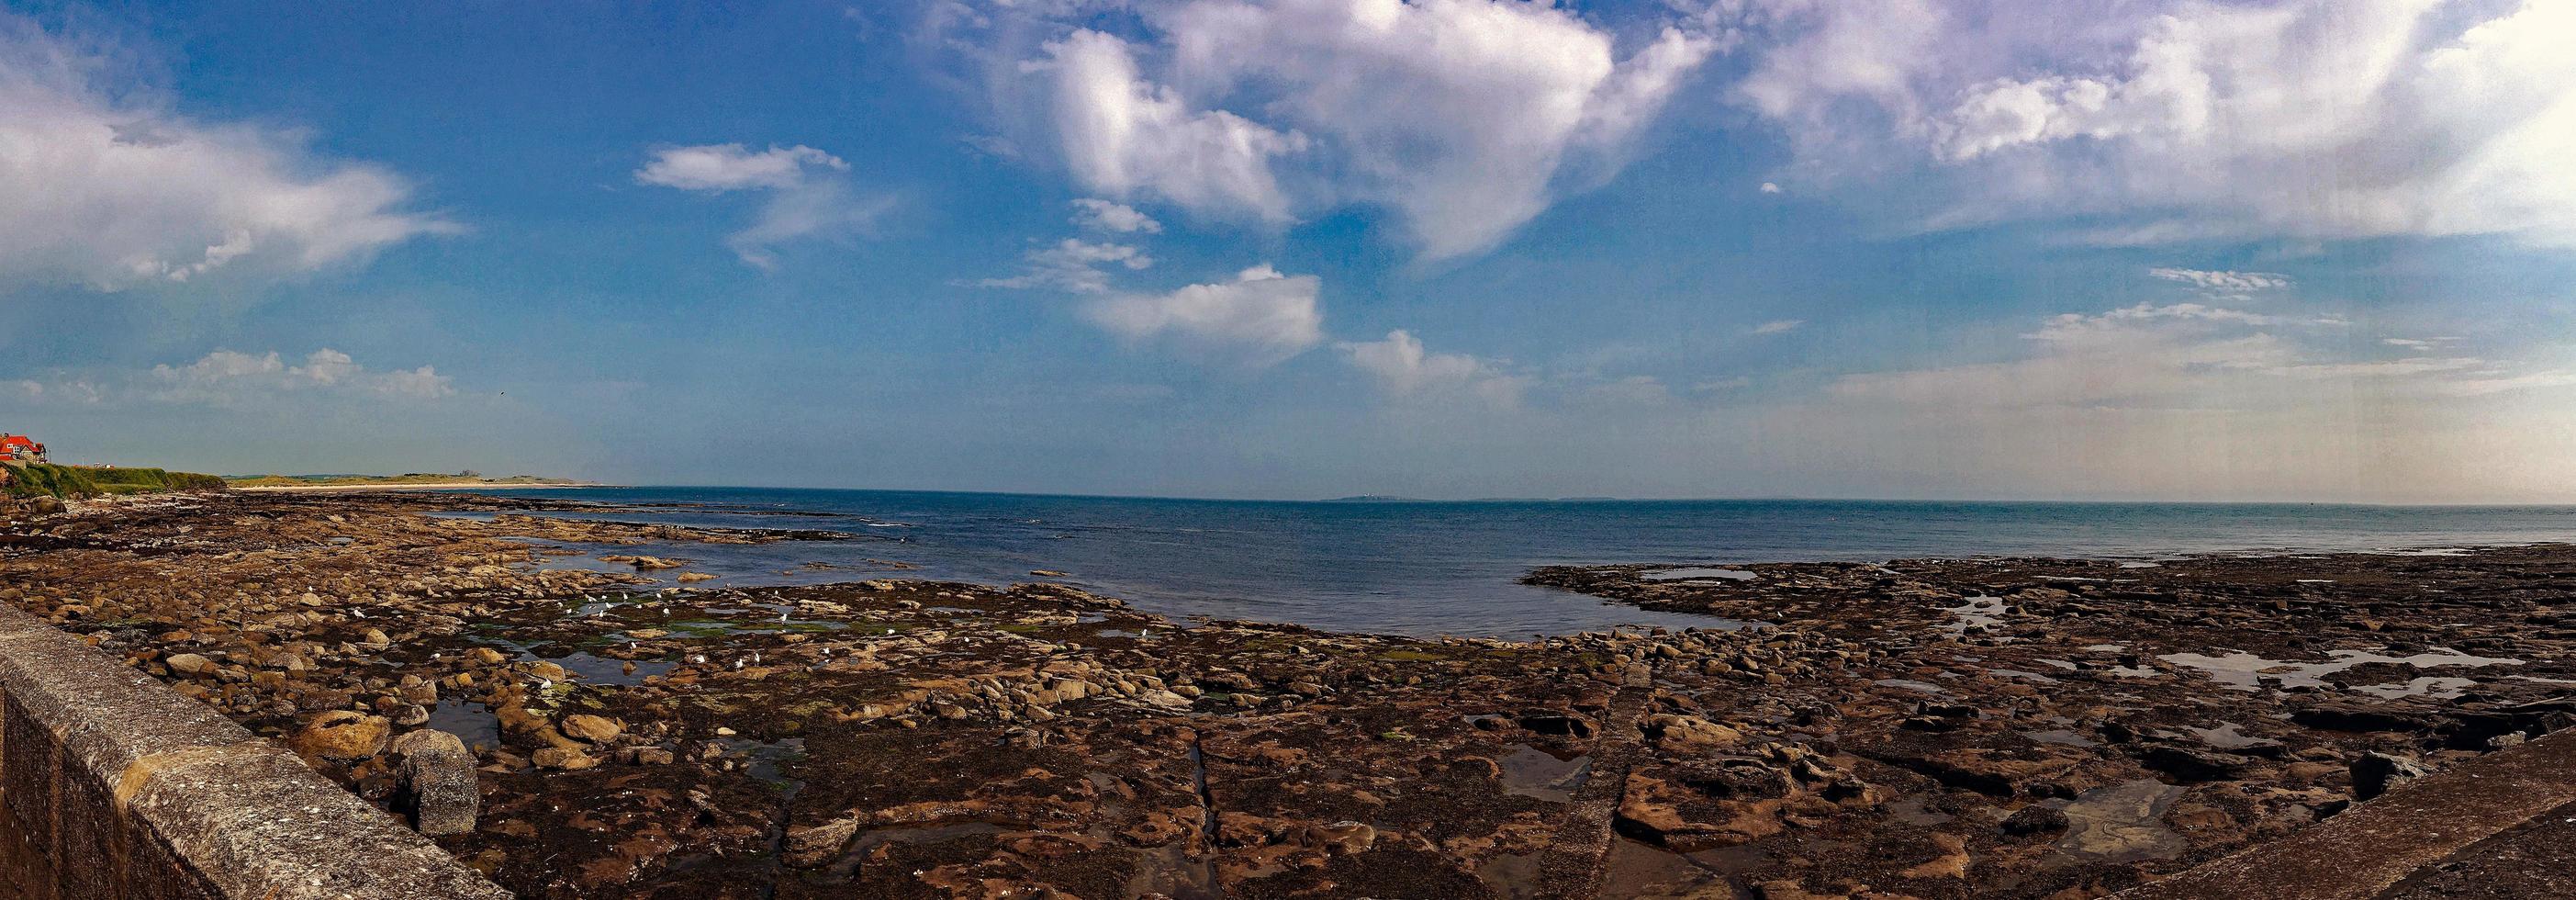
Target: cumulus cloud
{"points": [[809, 191], [1261, 317], [1467, 118], [1404, 369], [225, 376], [2179, 119], [1101, 215], [228, 377], [1123, 134], [1073, 264], [103, 185]]}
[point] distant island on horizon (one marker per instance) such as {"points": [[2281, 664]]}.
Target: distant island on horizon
{"points": [[1386, 498]]}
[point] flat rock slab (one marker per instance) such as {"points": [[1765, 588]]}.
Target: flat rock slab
{"points": [[2445, 820]]}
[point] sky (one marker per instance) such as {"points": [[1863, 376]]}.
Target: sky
{"points": [[2307, 250]]}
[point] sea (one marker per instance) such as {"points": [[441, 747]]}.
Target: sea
{"points": [[1429, 568]]}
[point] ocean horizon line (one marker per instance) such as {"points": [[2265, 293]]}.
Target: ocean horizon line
{"points": [[1393, 500]]}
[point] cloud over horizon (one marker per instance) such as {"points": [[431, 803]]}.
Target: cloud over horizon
{"points": [[2180, 121], [1260, 318], [223, 378]]}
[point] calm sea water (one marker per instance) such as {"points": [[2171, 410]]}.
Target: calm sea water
{"points": [[1450, 568]]}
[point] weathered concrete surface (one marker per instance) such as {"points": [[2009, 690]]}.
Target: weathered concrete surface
{"points": [[1572, 865], [112, 786], [2371, 848]]}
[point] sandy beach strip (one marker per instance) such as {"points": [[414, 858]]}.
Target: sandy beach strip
{"points": [[422, 486]]}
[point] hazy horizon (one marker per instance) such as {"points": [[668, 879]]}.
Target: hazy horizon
{"points": [[2305, 251]]}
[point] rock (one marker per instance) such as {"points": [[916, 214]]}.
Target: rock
{"points": [[2189, 764], [1558, 724], [1690, 734], [594, 729], [2035, 819], [189, 664], [1340, 838], [813, 846], [344, 736], [564, 758], [1736, 779], [2376, 773], [1949, 860], [435, 783]]}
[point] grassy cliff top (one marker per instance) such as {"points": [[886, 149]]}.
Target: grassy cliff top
{"points": [[46, 480]]}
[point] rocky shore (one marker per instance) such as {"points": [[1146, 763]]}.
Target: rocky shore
{"points": [[1926, 728]]}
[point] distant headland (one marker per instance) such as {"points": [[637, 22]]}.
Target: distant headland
{"points": [[412, 481]]}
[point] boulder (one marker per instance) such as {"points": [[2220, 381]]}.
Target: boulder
{"points": [[435, 783], [1690, 734], [188, 663], [2035, 819], [564, 758], [2377, 773], [594, 729], [343, 736]]}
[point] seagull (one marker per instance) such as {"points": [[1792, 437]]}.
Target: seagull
{"points": [[698, 658], [782, 615]]}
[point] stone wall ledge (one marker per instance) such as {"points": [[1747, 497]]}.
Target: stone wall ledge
{"points": [[114, 786], [2375, 845]]}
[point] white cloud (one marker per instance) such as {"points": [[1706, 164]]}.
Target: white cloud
{"points": [[1770, 187], [1465, 117], [102, 185], [225, 377], [229, 378], [1072, 264], [1101, 215], [2223, 281], [1260, 318], [732, 167], [1779, 326], [1404, 369], [809, 191], [1125, 135], [2175, 120], [2185, 356]]}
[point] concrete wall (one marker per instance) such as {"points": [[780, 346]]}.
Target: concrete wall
{"points": [[112, 786]]}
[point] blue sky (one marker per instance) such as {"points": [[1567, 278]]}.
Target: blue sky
{"points": [[2291, 249]]}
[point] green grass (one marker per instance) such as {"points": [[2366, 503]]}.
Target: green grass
{"points": [[81, 481]]}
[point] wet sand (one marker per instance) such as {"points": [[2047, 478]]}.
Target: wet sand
{"points": [[1927, 728]]}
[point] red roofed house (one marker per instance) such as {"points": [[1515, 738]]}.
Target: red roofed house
{"points": [[18, 448]]}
